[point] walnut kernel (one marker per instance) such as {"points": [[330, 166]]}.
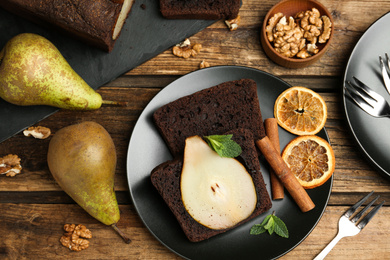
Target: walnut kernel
{"points": [[233, 24], [39, 132], [310, 17], [186, 50], [69, 227], [74, 238], [271, 25], [326, 29], [287, 37], [10, 165], [204, 64]]}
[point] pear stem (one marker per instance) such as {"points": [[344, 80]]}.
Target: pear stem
{"points": [[123, 235], [115, 103]]}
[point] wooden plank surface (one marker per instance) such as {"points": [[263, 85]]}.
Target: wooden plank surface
{"points": [[242, 47], [32, 231], [33, 208]]}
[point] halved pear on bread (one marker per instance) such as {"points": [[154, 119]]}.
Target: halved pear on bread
{"points": [[217, 192]]}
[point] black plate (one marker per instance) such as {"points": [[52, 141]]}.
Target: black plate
{"points": [[370, 133], [145, 34], [147, 150]]}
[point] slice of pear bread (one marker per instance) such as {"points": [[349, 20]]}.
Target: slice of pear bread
{"points": [[216, 110], [166, 179]]}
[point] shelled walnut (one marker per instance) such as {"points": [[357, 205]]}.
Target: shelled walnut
{"points": [[38, 132], [288, 37], [10, 165], [272, 22], [204, 64], [299, 36], [327, 29], [233, 24], [74, 238], [185, 49]]}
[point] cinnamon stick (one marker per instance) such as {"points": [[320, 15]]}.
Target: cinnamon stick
{"points": [[289, 181], [271, 130]]}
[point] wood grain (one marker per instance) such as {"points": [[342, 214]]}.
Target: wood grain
{"points": [[33, 231], [242, 47]]}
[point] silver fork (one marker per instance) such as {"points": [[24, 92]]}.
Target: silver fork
{"points": [[385, 73], [348, 227], [367, 99]]}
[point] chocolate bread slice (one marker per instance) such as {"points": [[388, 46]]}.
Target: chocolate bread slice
{"points": [[215, 110], [200, 9], [166, 179], [96, 22]]}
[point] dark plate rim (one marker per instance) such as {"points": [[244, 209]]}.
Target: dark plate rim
{"points": [[368, 157], [222, 67]]}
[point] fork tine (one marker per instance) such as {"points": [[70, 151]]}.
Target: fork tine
{"points": [[368, 90], [354, 97], [369, 216], [355, 90], [388, 61], [360, 214], [381, 61], [352, 209], [385, 74], [361, 103]]}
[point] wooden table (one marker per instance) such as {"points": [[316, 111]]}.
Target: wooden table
{"points": [[33, 208]]}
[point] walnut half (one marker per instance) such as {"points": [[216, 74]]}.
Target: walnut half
{"points": [[326, 29], [233, 24], [204, 64], [74, 238], [39, 132], [10, 165], [186, 50]]}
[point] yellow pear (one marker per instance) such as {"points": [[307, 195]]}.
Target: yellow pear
{"points": [[82, 159]]}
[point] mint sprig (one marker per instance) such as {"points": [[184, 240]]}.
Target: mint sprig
{"points": [[272, 224], [224, 145]]}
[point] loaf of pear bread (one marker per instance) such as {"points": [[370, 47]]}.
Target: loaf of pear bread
{"points": [[166, 179], [96, 22]]}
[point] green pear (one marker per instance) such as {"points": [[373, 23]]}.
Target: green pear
{"points": [[33, 72], [82, 159]]}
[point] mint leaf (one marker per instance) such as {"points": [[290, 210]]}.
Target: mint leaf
{"points": [[266, 219], [257, 229], [272, 224], [280, 227], [219, 138], [224, 145]]}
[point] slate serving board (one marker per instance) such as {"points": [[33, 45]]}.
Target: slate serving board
{"points": [[145, 35]]}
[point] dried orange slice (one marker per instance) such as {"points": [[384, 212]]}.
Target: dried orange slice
{"points": [[311, 159], [300, 111]]}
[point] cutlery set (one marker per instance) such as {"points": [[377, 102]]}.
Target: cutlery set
{"points": [[375, 105]]}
